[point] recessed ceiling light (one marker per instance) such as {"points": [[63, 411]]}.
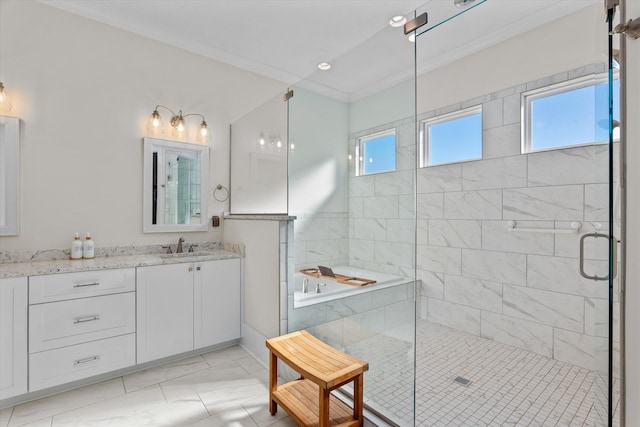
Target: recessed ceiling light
{"points": [[412, 37], [463, 3], [397, 21], [324, 66]]}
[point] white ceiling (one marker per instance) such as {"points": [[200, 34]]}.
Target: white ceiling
{"points": [[286, 39]]}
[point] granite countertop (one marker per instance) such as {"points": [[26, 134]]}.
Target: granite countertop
{"points": [[53, 266]]}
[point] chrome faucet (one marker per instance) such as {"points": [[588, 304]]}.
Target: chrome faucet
{"points": [[179, 248], [305, 285], [318, 287]]}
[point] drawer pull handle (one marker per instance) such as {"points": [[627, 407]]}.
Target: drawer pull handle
{"points": [[86, 360], [83, 285], [86, 319]]}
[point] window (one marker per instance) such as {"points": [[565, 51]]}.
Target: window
{"points": [[376, 153], [454, 137], [569, 114]]}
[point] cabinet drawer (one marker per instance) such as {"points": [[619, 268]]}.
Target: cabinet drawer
{"points": [[64, 323], [57, 287], [63, 365]]}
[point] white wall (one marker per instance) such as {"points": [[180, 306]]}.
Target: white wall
{"points": [[262, 272], [561, 45], [84, 92], [386, 106]]}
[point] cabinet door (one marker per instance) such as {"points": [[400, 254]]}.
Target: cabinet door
{"points": [[216, 302], [13, 337], [165, 311]]}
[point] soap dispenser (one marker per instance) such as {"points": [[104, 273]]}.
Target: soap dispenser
{"points": [[76, 247], [88, 247]]}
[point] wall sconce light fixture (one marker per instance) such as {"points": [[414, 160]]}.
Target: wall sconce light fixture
{"points": [[178, 125], [5, 103]]}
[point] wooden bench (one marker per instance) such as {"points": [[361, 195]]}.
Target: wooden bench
{"points": [[308, 400]]}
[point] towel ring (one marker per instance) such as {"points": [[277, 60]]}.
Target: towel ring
{"points": [[226, 195]]}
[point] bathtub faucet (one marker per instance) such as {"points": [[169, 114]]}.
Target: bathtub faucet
{"points": [[318, 287], [305, 285]]}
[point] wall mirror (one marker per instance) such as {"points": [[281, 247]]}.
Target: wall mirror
{"points": [[9, 176], [176, 178]]}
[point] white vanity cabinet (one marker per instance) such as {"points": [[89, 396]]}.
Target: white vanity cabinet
{"points": [[13, 337], [80, 325], [182, 307], [165, 311], [216, 303]]}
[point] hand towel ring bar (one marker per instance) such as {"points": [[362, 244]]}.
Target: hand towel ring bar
{"points": [[226, 194]]}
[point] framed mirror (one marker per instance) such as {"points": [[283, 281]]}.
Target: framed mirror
{"points": [[176, 181]]}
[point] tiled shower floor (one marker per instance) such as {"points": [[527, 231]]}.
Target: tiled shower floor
{"points": [[509, 386]]}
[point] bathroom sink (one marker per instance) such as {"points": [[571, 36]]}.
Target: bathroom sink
{"points": [[185, 254]]}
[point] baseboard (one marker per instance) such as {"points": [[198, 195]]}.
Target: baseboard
{"points": [[254, 343]]}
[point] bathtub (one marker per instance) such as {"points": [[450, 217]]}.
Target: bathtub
{"points": [[331, 289]]}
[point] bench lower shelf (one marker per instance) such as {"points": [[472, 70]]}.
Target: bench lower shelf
{"points": [[300, 400]]}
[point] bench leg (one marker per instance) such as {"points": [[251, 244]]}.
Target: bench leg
{"points": [[273, 382], [323, 409], [358, 393]]}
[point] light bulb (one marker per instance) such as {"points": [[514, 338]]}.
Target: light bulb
{"points": [[261, 140], [293, 146], [279, 143], [203, 133], [179, 127], [5, 103], [155, 125]]}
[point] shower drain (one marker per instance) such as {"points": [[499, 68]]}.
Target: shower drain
{"points": [[462, 381]]}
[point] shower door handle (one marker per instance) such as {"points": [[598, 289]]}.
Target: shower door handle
{"points": [[614, 260]]}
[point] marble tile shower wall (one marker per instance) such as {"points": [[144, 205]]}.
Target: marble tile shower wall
{"points": [[521, 289], [321, 239], [382, 207]]}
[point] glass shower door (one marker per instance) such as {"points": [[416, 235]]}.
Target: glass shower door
{"points": [[351, 165], [513, 203]]}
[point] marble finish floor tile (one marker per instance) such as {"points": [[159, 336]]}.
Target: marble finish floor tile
{"points": [[153, 376], [190, 387], [227, 387], [146, 407], [49, 406], [5, 414]]}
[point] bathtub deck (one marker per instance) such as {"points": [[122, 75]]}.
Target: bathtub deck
{"points": [[340, 278]]}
